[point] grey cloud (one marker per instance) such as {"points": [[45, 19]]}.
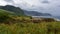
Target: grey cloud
{"points": [[8, 0], [45, 1]]}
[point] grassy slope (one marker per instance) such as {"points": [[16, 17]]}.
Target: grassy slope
{"points": [[18, 11], [2, 12]]}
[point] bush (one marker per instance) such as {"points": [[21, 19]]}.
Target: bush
{"points": [[3, 18]]}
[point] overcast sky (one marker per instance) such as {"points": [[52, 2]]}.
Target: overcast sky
{"points": [[45, 6]]}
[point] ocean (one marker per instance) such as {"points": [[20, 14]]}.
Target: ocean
{"points": [[55, 17], [58, 17]]}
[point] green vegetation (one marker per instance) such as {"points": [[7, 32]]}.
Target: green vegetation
{"points": [[12, 24], [4, 15], [18, 11], [30, 28]]}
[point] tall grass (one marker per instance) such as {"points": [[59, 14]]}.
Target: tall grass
{"points": [[27, 25], [30, 28]]}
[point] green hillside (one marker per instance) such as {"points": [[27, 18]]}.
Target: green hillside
{"points": [[4, 12], [6, 15], [16, 10]]}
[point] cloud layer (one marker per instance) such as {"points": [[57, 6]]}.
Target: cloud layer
{"points": [[47, 6]]}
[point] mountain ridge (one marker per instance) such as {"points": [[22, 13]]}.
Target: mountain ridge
{"points": [[21, 12], [14, 9], [35, 13]]}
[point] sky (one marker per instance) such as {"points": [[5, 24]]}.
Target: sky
{"points": [[44, 6]]}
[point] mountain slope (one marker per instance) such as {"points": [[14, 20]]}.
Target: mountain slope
{"points": [[35, 13], [20, 12], [10, 8], [4, 12]]}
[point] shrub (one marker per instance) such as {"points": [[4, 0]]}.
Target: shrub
{"points": [[3, 18]]}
